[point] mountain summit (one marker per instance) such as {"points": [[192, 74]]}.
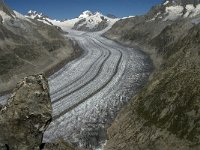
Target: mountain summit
{"points": [[86, 14], [87, 21], [175, 9], [39, 16]]}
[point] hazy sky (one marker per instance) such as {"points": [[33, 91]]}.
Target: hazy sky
{"points": [[66, 9]]}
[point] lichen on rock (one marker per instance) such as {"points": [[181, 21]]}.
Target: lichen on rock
{"points": [[27, 115]]}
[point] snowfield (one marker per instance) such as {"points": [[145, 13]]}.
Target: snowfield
{"points": [[4, 16]]}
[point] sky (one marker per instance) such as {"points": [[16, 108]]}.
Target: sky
{"points": [[68, 9]]}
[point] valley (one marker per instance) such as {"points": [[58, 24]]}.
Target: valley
{"points": [[130, 83], [89, 91]]}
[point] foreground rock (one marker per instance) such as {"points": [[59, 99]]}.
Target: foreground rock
{"points": [[61, 145], [26, 116]]}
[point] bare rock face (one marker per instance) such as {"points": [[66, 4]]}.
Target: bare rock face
{"points": [[60, 145], [26, 116]]}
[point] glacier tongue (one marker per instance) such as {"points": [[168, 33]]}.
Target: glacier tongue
{"points": [[89, 91]]}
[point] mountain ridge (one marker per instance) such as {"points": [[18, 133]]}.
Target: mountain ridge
{"points": [[86, 21], [164, 115], [28, 46], [174, 9]]}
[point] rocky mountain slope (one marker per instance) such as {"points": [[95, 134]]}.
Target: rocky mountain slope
{"points": [[165, 114], [87, 21], [27, 46]]}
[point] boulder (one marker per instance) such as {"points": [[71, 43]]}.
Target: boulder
{"points": [[26, 116]]}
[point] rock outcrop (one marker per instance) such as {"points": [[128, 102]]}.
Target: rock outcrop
{"points": [[61, 145], [26, 116]]}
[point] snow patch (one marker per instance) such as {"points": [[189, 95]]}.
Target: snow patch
{"points": [[65, 25], [4, 16], [128, 17], [44, 21], [190, 8], [156, 16], [192, 11], [173, 12], [20, 16], [166, 3], [86, 14]]}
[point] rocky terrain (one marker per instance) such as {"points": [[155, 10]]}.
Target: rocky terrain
{"points": [[27, 115], [165, 114], [86, 94], [28, 46]]}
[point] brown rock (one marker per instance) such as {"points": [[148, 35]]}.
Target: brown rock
{"points": [[27, 115]]}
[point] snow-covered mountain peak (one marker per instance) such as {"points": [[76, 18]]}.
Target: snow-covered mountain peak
{"points": [[87, 21], [98, 14], [166, 2], [89, 14], [31, 12], [86, 14], [39, 17], [34, 14]]}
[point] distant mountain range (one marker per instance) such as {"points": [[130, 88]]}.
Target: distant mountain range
{"points": [[87, 21]]}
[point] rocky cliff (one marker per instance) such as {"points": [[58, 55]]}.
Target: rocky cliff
{"points": [[166, 113]]}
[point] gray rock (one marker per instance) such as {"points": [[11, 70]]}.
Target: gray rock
{"points": [[27, 115], [61, 145]]}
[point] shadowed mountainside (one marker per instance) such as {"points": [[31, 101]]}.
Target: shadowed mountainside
{"points": [[28, 46]]}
